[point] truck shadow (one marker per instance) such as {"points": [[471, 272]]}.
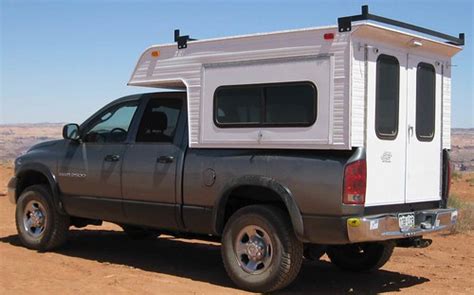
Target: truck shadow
{"points": [[201, 261]]}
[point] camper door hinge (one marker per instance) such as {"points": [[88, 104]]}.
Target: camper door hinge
{"points": [[181, 40], [345, 25]]}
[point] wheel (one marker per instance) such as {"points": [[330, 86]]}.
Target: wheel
{"points": [[138, 233], [40, 226], [260, 250], [361, 257]]}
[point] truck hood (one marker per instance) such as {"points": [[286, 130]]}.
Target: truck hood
{"points": [[44, 144]]}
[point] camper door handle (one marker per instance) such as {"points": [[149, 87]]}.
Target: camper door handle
{"points": [[410, 131]]}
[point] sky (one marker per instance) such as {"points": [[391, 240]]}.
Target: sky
{"points": [[62, 60]]}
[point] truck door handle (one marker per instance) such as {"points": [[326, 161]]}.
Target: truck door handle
{"points": [[112, 158], [165, 159]]}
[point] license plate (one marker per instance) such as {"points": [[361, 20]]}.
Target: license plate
{"points": [[406, 221]]}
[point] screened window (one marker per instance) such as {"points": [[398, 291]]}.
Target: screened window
{"points": [[271, 105], [159, 120], [387, 97], [425, 101]]}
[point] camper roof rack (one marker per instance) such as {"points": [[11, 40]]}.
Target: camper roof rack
{"points": [[181, 40], [345, 25]]}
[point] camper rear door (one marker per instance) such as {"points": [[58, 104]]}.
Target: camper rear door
{"points": [[404, 127]]}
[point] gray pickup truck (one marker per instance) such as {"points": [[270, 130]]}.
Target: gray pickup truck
{"points": [[130, 164], [265, 148]]}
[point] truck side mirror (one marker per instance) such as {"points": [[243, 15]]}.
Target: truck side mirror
{"points": [[71, 131]]}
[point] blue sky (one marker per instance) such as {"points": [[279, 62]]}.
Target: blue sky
{"points": [[62, 60]]}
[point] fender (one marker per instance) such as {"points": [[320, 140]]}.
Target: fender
{"points": [[256, 180], [53, 184]]}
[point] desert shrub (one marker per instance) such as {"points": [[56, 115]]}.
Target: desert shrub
{"points": [[455, 175], [470, 181], [465, 221]]}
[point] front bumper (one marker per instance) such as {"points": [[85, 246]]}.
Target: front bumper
{"points": [[11, 190], [386, 226]]}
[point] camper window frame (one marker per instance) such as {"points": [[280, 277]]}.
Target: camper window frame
{"points": [[385, 136], [420, 93], [262, 87]]}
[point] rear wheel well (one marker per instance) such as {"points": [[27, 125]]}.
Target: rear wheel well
{"points": [[29, 178], [246, 195]]}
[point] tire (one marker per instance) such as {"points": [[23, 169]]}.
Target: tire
{"points": [[138, 233], [361, 257], [40, 226], [275, 264]]}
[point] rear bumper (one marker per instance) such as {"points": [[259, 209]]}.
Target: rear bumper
{"points": [[11, 190], [386, 227], [378, 227]]}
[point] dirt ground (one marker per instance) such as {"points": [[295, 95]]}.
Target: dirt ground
{"points": [[103, 260]]}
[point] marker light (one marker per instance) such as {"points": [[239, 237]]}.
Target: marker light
{"points": [[354, 222], [329, 36], [155, 53], [416, 43]]}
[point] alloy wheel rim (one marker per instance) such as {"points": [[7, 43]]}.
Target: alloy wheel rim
{"points": [[253, 249], [34, 219]]}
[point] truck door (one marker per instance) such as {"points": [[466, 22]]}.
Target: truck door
{"points": [[151, 171], [89, 170], [386, 121], [424, 154]]}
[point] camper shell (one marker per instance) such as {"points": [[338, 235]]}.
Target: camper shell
{"points": [[340, 64], [376, 87]]}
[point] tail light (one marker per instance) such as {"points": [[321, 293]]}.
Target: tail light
{"points": [[355, 180]]}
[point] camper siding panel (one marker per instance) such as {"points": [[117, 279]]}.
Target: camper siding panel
{"points": [[187, 66], [341, 91], [358, 98], [446, 139]]}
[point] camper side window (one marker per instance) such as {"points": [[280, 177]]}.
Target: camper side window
{"points": [[266, 105], [425, 101], [387, 96]]}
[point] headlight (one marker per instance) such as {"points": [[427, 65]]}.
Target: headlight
{"points": [[18, 162]]}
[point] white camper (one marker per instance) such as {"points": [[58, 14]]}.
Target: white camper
{"points": [[372, 86]]}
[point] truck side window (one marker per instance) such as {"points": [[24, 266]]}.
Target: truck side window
{"points": [[112, 125], [266, 105], [159, 120], [425, 101], [387, 97]]}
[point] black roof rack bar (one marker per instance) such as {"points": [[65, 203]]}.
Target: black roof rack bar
{"points": [[181, 40], [345, 25]]}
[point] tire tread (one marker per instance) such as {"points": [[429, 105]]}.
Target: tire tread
{"points": [[291, 259]]}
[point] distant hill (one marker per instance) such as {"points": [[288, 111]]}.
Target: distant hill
{"points": [[462, 148], [15, 139]]}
